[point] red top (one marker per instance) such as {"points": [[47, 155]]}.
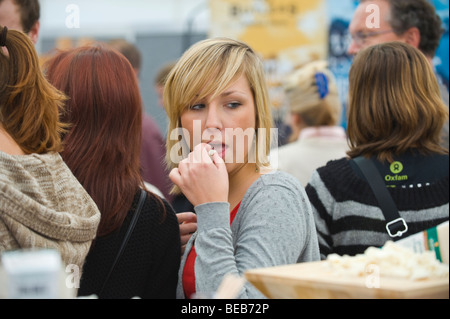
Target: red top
{"points": [[189, 272]]}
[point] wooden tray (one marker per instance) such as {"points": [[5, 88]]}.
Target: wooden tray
{"points": [[315, 280]]}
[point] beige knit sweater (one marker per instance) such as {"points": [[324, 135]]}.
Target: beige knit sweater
{"points": [[42, 205]]}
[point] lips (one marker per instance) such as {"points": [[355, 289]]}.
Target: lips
{"points": [[219, 147]]}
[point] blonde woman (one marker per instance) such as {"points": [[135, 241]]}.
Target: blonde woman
{"points": [[315, 109], [395, 118], [216, 100]]}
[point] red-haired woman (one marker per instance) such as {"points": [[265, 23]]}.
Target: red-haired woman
{"points": [[102, 149]]}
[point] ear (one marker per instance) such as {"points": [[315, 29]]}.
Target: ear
{"points": [[34, 32], [412, 37]]}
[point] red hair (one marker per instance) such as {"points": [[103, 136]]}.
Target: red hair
{"points": [[102, 148]]}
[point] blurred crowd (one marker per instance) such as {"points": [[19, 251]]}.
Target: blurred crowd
{"points": [[85, 170]]}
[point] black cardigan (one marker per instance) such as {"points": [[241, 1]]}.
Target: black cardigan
{"points": [[149, 265]]}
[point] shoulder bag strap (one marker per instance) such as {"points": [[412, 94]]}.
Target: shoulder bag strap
{"points": [[395, 226], [127, 236]]}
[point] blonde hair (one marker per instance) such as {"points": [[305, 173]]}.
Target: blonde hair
{"points": [[29, 104], [208, 68], [394, 103], [305, 96]]}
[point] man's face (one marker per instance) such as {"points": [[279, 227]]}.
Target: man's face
{"points": [[362, 29], [10, 17]]}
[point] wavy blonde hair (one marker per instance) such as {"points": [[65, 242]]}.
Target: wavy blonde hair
{"points": [[302, 93]]}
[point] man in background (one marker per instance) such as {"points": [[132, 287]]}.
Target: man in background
{"points": [[21, 15], [412, 21], [160, 80]]}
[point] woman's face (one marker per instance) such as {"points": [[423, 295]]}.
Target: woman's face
{"points": [[226, 122]]}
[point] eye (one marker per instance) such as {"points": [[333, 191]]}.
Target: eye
{"points": [[360, 36], [198, 106], [233, 105]]}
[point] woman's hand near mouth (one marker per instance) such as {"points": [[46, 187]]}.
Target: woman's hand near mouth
{"points": [[202, 178]]}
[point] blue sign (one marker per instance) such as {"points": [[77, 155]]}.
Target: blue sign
{"points": [[441, 59]]}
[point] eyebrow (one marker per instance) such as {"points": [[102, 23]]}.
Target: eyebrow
{"points": [[227, 93]]}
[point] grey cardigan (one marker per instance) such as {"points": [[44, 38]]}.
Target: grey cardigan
{"points": [[273, 226]]}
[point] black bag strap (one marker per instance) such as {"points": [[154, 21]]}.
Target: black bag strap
{"points": [[396, 226], [127, 236]]}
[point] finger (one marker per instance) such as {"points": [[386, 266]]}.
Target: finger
{"points": [[175, 176], [183, 166], [217, 160], [207, 153], [188, 229], [184, 239], [185, 162], [193, 158], [188, 217], [200, 153]]}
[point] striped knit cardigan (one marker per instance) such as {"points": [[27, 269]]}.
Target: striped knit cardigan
{"points": [[348, 219]]}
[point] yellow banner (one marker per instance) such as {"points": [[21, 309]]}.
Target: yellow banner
{"points": [[287, 33]]}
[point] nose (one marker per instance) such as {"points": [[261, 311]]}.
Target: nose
{"points": [[213, 118], [353, 48]]}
